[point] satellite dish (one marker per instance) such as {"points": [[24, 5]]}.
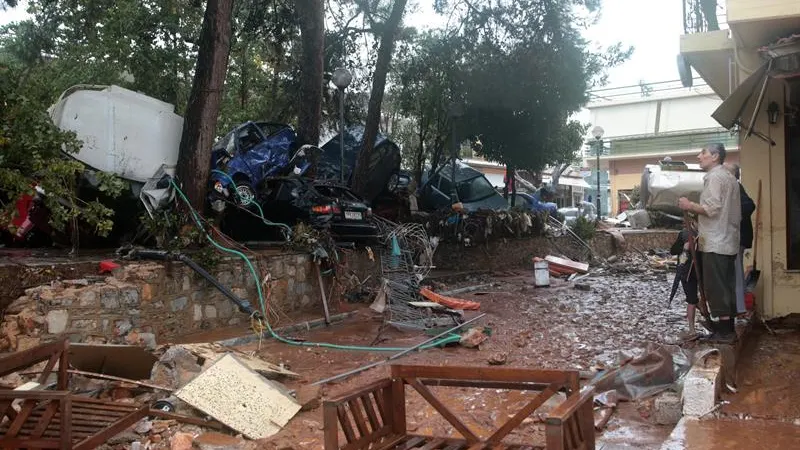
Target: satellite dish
{"points": [[685, 71]]}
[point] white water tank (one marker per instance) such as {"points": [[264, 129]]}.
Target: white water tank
{"points": [[123, 132], [662, 186]]}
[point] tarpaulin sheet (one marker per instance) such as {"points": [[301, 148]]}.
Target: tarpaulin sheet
{"points": [[655, 371], [384, 161]]}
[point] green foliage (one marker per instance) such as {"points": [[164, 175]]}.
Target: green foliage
{"points": [[517, 71], [584, 228], [31, 153], [636, 195]]}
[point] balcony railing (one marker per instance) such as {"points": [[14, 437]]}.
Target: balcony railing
{"points": [[700, 16], [658, 145]]}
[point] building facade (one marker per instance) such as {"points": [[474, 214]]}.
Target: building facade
{"points": [[644, 130], [753, 63]]}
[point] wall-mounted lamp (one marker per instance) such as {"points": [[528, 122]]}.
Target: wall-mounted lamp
{"points": [[773, 113]]}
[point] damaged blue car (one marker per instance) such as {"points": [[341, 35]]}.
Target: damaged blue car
{"points": [[250, 153]]}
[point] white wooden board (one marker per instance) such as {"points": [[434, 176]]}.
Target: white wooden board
{"points": [[240, 398]]}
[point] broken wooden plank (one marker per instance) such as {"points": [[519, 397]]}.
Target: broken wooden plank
{"points": [[567, 263]]}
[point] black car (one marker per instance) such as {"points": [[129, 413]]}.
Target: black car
{"points": [[323, 205]]}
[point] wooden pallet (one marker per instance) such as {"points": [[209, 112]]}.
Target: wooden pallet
{"points": [[374, 417], [57, 418]]}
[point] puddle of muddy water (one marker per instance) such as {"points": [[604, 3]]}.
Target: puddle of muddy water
{"points": [[734, 435]]}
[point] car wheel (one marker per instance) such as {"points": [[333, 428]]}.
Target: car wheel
{"points": [[244, 192]]}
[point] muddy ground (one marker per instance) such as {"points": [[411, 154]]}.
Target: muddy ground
{"points": [[560, 327]]}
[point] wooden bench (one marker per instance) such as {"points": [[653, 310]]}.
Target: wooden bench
{"points": [[57, 418], [374, 417]]}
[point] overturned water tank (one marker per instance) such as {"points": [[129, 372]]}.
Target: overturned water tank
{"points": [[663, 184]]}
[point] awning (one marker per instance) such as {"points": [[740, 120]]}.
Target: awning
{"points": [[730, 111], [575, 182], [567, 181]]}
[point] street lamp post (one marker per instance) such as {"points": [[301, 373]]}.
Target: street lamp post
{"points": [[341, 79], [598, 132], [455, 111]]}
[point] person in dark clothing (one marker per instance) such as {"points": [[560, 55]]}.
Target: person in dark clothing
{"points": [[707, 9], [688, 277], [746, 236]]}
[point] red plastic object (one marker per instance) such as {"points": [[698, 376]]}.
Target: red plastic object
{"points": [[749, 301], [108, 266]]}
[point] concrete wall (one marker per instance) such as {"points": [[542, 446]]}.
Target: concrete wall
{"points": [[653, 115], [146, 302]]}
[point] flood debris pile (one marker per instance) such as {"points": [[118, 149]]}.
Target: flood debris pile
{"points": [[472, 228]]}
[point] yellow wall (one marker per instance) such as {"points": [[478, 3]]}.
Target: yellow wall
{"points": [[778, 293], [627, 173]]}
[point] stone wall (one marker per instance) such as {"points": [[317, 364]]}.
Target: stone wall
{"points": [[516, 253], [145, 302]]}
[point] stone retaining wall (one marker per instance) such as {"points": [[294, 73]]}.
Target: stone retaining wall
{"points": [[515, 253], [145, 302]]}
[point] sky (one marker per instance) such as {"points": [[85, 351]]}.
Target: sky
{"points": [[653, 27]]}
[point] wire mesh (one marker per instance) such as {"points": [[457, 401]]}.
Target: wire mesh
{"points": [[406, 259]]}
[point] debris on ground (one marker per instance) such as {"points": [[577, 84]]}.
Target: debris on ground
{"points": [[498, 359], [473, 337], [450, 302], [232, 393], [566, 265]]}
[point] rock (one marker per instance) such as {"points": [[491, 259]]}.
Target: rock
{"points": [[473, 338], [667, 408], [121, 393], [176, 367], [57, 320], [156, 438], [181, 441], [309, 397], [160, 426], [143, 427], [583, 287], [217, 441], [124, 438], [498, 359]]}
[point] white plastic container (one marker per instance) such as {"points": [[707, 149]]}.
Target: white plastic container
{"points": [[541, 273], [123, 132]]}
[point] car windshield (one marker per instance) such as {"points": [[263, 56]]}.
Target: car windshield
{"points": [[476, 189], [336, 192]]}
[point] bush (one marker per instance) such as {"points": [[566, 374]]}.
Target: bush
{"points": [[32, 152], [584, 228]]}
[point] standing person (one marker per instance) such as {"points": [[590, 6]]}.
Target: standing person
{"points": [[746, 235], [719, 215], [687, 274]]}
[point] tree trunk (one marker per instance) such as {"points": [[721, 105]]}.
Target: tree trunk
{"points": [[202, 109], [390, 29], [311, 17]]}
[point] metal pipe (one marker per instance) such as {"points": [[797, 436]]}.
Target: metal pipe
{"points": [[396, 355], [597, 152], [161, 255], [341, 134], [322, 291]]}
